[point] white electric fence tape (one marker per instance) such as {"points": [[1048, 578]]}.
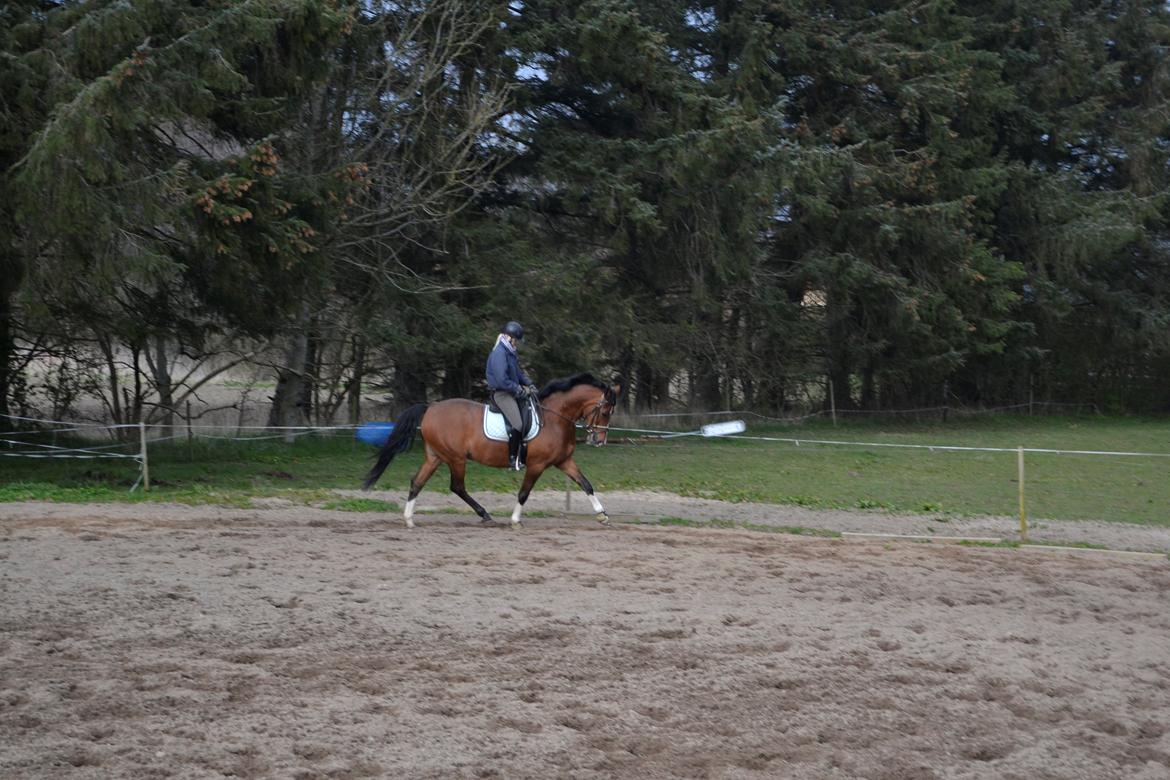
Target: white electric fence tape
{"points": [[868, 444]]}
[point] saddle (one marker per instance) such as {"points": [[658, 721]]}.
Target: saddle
{"points": [[495, 425]]}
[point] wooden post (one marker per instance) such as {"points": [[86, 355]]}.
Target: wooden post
{"points": [[145, 462], [1023, 511]]}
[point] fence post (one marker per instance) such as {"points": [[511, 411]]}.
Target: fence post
{"points": [[1023, 511], [145, 462]]}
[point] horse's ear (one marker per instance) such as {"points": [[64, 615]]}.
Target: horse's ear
{"points": [[619, 387]]}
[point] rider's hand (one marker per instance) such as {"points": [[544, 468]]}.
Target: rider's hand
{"points": [[532, 391]]}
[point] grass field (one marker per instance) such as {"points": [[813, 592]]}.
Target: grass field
{"points": [[1131, 489]]}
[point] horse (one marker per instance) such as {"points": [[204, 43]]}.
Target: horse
{"points": [[452, 432]]}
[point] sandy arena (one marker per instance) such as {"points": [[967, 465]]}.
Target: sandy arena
{"points": [[155, 641]]}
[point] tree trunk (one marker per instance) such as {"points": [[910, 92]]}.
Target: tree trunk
{"points": [[626, 369], [459, 378], [709, 395], [731, 365], [354, 389], [838, 352], [139, 396], [410, 386], [287, 400], [161, 369], [748, 377], [868, 389], [111, 379], [7, 345], [647, 399], [840, 377], [308, 390]]}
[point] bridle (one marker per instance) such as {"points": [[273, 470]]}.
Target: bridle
{"points": [[592, 417]]}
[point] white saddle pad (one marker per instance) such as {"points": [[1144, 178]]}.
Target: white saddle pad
{"points": [[494, 428]]}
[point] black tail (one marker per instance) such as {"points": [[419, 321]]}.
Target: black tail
{"points": [[400, 440]]}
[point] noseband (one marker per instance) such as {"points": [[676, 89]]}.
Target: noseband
{"points": [[593, 417]]}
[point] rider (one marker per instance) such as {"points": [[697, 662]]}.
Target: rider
{"points": [[509, 385]]}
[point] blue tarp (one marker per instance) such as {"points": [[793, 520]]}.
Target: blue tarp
{"points": [[375, 433]]}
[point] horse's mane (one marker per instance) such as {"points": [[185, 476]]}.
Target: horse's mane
{"points": [[569, 382]]}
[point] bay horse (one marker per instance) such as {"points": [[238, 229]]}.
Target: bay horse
{"points": [[452, 432]]}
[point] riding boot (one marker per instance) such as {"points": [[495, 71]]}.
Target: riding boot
{"points": [[514, 439]]}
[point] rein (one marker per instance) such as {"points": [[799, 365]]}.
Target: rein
{"points": [[558, 414], [591, 414]]}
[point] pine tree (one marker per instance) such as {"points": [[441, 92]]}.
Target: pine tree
{"points": [[150, 182], [640, 150], [23, 108], [1087, 143]]}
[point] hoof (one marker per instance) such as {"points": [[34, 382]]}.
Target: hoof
{"points": [[487, 520], [516, 525], [603, 518]]}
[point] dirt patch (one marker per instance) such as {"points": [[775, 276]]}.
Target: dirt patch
{"points": [[153, 641]]}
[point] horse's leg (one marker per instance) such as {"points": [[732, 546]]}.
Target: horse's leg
{"points": [[430, 463], [532, 474], [570, 467], [458, 471]]}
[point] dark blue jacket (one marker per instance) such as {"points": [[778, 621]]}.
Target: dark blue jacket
{"points": [[504, 372]]}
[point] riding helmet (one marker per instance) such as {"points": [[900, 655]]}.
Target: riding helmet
{"points": [[514, 329]]}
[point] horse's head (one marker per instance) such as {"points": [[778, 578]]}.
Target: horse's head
{"points": [[581, 397], [597, 416]]}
